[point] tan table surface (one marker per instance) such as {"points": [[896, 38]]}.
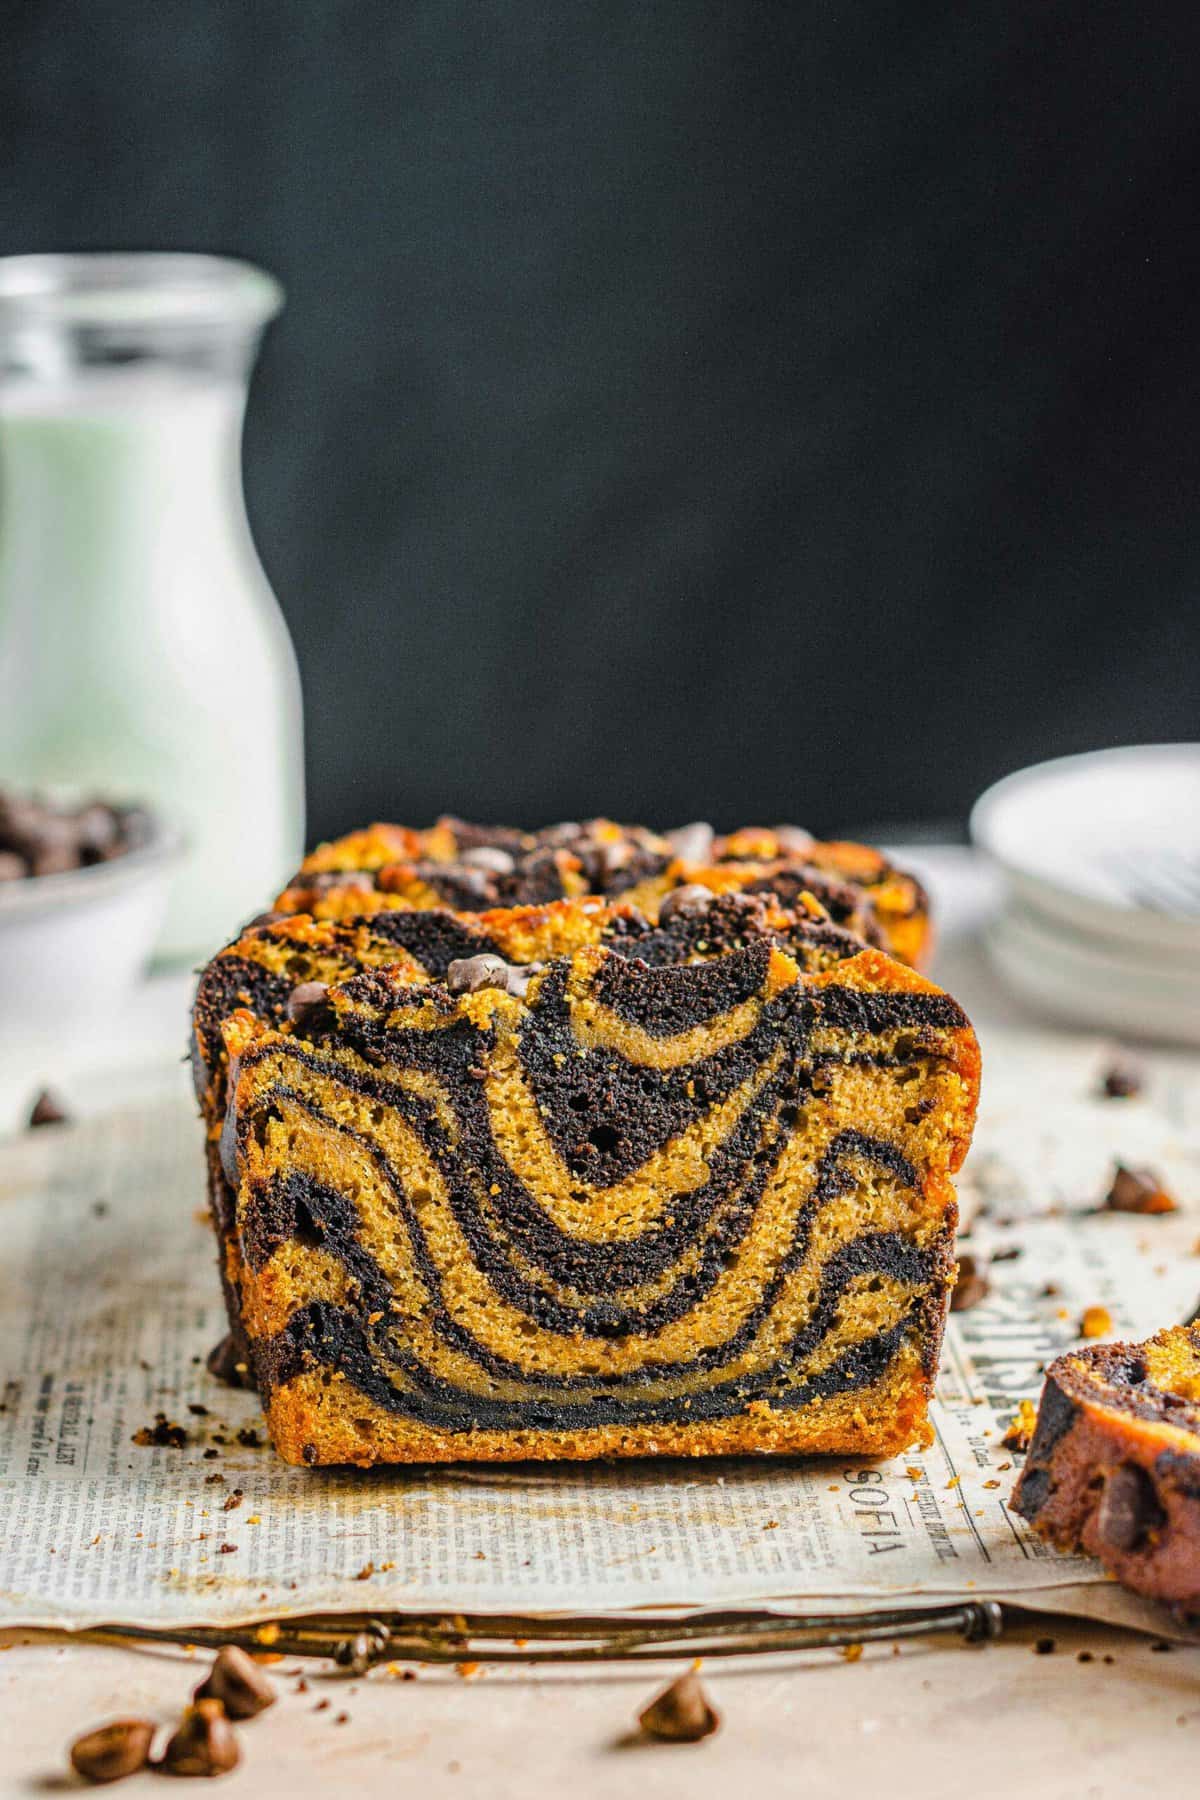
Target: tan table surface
{"points": [[940, 1719], [937, 1718]]}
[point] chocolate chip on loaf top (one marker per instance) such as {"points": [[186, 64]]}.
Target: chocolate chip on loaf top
{"points": [[1114, 1466], [473, 868]]}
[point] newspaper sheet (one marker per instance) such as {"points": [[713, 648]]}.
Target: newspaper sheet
{"points": [[109, 1302]]}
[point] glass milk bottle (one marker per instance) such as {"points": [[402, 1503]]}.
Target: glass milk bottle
{"points": [[142, 653]]}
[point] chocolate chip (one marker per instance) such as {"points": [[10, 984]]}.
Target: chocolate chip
{"points": [[1137, 1191], [681, 1714], [223, 1362], [971, 1287], [603, 860], [53, 859], [470, 974], [204, 1742], [1122, 1081], [48, 1109], [50, 832], [238, 1683], [1128, 1509], [692, 843], [38, 838], [227, 1143], [685, 902], [458, 884], [113, 1751], [199, 1067], [520, 975], [308, 1003], [1045, 1646], [793, 840], [97, 829], [328, 881], [137, 825], [486, 856]]}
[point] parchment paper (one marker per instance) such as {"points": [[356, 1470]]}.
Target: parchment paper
{"points": [[109, 1302]]}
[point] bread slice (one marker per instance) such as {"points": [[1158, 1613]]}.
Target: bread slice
{"points": [[689, 1201], [1114, 1465]]}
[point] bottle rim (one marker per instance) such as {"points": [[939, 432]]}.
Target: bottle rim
{"points": [[129, 288]]}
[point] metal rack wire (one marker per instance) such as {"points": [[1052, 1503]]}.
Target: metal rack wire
{"points": [[357, 1642]]}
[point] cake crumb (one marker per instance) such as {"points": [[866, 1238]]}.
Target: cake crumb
{"points": [[164, 1434], [1021, 1428]]}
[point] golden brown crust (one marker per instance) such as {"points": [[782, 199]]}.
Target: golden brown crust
{"points": [[307, 1429]]}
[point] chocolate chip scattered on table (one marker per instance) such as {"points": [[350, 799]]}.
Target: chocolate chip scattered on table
{"points": [[972, 1284], [47, 1109], [1138, 1191], [113, 1751], [238, 1683], [204, 1742], [1122, 1080], [681, 1714]]}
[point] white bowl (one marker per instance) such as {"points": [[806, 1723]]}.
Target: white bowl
{"points": [[1106, 985], [72, 946], [1107, 843]]}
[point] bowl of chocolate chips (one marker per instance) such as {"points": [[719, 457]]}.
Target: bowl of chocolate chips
{"points": [[83, 889]]}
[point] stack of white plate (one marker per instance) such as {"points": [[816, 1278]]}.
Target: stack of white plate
{"points": [[1101, 857]]}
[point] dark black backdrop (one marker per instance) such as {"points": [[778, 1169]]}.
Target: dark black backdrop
{"points": [[749, 411]]}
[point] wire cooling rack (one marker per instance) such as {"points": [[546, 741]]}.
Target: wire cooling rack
{"points": [[357, 1642]]}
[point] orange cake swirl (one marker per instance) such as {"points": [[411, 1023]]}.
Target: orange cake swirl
{"points": [[569, 1181]]}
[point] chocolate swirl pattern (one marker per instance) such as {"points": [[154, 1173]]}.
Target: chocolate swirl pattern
{"points": [[691, 1207]]}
